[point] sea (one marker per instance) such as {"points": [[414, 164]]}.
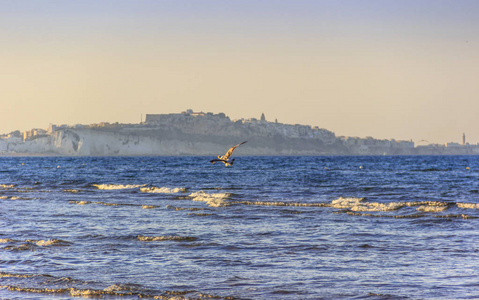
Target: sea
{"points": [[308, 227]]}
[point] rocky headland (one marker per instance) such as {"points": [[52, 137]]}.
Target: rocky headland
{"points": [[198, 133]]}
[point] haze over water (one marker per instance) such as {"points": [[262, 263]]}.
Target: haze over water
{"points": [[266, 228]]}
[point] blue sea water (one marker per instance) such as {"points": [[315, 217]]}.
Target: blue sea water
{"points": [[265, 228]]}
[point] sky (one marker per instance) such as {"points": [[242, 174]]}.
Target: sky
{"points": [[404, 70]]}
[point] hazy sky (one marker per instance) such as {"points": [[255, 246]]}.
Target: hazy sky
{"points": [[386, 69]]}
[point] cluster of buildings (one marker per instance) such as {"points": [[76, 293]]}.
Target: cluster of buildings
{"points": [[220, 124], [281, 139]]}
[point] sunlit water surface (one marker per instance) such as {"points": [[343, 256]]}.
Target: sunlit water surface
{"points": [[266, 228]]}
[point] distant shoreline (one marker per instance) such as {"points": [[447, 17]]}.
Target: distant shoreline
{"points": [[203, 134]]}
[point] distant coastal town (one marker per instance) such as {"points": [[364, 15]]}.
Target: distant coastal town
{"points": [[199, 133]]}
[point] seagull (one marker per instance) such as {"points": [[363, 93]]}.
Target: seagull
{"points": [[226, 158]]}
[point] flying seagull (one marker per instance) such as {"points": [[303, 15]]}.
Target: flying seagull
{"points": [[226, 158]]}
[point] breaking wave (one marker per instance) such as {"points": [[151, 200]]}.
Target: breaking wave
{"points": [[142, 187], [46, 243], [166, 238], [149, 206], [7, 186], [427, 208], [162, 190], [14, 198], [353, 204], [2, 241], [282, 203], [48, 284], [468, 205], [31, 245], [358, 204], [213, 199], [117, 186]]}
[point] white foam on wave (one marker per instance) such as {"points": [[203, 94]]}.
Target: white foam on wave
{"points": [[358, 204], [213, 199], [165, 238], [346, 202], [70, 287], [13, 198], [46, 243], [149, 206], [7, 186], [429, 208], [282, 203], [468, 205], [117, 186], [162, 190], [83, 202]]}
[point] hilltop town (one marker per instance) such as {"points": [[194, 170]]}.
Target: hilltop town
{"points": [[199, 133]]}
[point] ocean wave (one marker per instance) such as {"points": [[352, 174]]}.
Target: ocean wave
{"points": [[411, 216], [358, 204], [282, 203], [32, 245], [14, 198], [13, 275], [28, 190], [51, 242], [200, 214], [166, 238], [184, 208], [149, 206], [162, 190], [109, 291], [48, 284], [457, 216], [75, 292], [468, 205], [83, 202], [2, 241], [7, 186], [117, 186], [427, 208], [213, 199]]}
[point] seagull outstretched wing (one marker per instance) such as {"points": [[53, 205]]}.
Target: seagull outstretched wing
{"points": [[230, 151]]}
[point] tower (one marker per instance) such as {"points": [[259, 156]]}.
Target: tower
{"points": [[464, 138], [263, 118]]}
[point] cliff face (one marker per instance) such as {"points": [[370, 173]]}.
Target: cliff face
{"points": [[164, 142], [170, 141]]}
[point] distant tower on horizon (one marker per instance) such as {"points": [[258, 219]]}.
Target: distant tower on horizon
{"points": [[463, 138], [263, 118]]}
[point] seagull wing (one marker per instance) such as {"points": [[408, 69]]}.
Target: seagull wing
{"points": [[230, 151]]}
